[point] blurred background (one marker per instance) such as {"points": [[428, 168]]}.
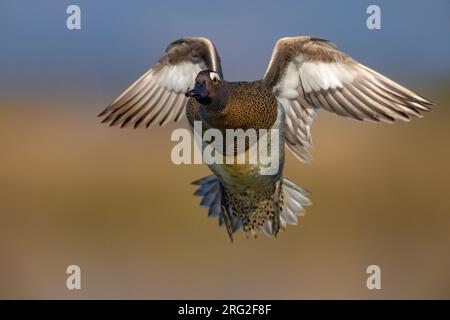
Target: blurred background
{"points": [[73, 191]]}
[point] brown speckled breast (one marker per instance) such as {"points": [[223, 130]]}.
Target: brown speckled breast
{"points": [[249, 105]]}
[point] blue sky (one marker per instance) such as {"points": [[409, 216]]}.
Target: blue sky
{"points": [[119, 40]]}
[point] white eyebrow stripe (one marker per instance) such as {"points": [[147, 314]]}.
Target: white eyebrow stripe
{"points": [[214, 75]]}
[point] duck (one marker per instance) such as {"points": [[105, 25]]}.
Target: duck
{"points": [[304, 74]]}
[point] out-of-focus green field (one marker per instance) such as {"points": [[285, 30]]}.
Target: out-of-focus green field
{"points": [[74, 191]]}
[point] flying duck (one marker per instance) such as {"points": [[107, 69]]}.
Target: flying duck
{"points": [[304, 74]]}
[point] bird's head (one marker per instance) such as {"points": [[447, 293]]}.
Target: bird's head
{"points": [[208, 89]]}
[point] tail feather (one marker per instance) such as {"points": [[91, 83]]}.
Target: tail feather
{"points": [[293, 201], [212, 198], [215, 209]]}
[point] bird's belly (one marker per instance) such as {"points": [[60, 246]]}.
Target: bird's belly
{"points": [[259, 174], [248, 175]]}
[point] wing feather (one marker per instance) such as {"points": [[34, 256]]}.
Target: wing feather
{"points": [[158, 95], [308, 72]]}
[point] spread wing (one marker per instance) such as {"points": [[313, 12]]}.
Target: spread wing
{"points": [[307, 73], [158, 95]]}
